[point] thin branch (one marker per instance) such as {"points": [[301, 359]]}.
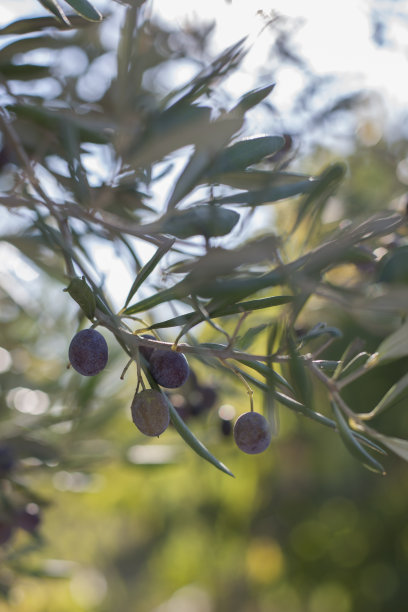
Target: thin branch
{"points": [[27, 167], [133, 342], [352, 376], [237, 327]]}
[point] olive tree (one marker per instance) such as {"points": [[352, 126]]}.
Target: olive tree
{"points": [[192, 221]]}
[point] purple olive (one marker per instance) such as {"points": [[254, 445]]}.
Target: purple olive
{"points": [[251, 433], [226, 427], [150, 412], [28, 519], [6, 531], [88, 352], [168, 368], [147, 351]]}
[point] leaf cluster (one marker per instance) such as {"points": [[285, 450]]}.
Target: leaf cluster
{"points": [[214, 271]]}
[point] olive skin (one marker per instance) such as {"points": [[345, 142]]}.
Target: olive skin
{"points": [[251, 433], [88, 352], [147, 351], [150, 412], [29, 521], [6, 532], [168, 368]]}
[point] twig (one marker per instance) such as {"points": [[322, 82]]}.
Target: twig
{"points": [[333, 387], [352, 376], [237, 328], [244, 382]]}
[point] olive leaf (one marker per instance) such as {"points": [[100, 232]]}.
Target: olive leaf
{"points": [[394, 346], [205, 220], [353, 445], [80, 291], [395, 394]]}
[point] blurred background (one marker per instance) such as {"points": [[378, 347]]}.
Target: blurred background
{"points": [[113, 521]]}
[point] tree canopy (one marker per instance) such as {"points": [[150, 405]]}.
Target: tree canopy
{"points": [[302, 314]]}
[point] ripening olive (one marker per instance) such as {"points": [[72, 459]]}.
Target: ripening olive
{"points": [[147, 351], [251, 433], [28, 518], [88, 352], [150, 412], [6, 531], [168, 368]]}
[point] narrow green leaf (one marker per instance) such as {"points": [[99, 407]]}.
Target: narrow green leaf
{"points": [[69, 135], [85, 9], [217, 134], [235, 289], [244, 153], [50, 119], [35, 24], [248, 306], [194, 442], [395, 394], [253, 98], [231, 289], [178, 291], [300, 378], [353, 445], [26, 44], [332, 252], [328, 183], [271, 411], [296, 406], [201, 84], [396, 445], [189, 177], [55, 9], [148, 268], [205, 220], [176, 127], [272, 377], [220, 261], [257, 180], [369, 443], [393, 347], [267, 196], [232, 309], [319, 330], [175, 321], [250, 336], [393, 267], [23, 72]]}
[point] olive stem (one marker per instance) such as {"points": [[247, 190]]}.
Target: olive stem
{"points": [[125, 369], [242, 379], [237, 328]]}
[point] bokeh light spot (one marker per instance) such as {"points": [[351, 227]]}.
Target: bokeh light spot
{"points": [[5, 360], [264, 561], [309, 540], [330, 597]]}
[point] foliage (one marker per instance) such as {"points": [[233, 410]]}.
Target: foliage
{"points": [[172, 182]]}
